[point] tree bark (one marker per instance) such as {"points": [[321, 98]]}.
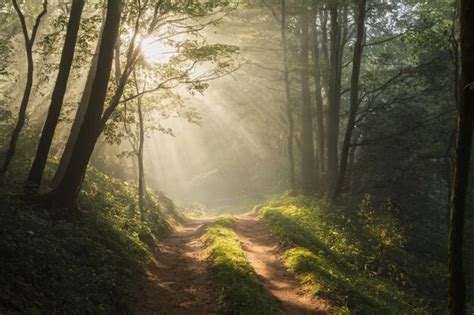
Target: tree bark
{"points": [[318, 100], [29, 42], [289, 109], [80, 114], [65, 195], [334, 97], [67, 56], [354, 98], [307, 145], [457, 283]]}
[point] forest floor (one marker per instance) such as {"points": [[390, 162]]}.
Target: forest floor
{"points": [[178, 282]]}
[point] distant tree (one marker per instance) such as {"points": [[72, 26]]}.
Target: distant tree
{"points": [[67, 56], [354, 98], [288, 101], [334, 98], [29, 42], [457, 282], [318, 98], [307, 141]]}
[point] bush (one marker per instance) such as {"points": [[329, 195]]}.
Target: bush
{"points": [[94, 265]]}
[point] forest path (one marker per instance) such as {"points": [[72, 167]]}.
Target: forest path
{"points": [[177, 277], [263, 254], [178, 282]]}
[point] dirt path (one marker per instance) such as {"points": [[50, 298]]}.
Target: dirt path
{"points": [[177, 278], [178, 282], [262, 252]]}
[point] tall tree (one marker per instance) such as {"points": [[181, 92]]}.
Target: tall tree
{"points": [[334, 96], [80, 113], [354, 98], [319, 114], [65, 194], [29, 42], [457, 283], [67, 56], [288, 104], [140, 148], [307, 145]]}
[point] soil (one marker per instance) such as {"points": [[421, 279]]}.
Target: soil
{"points": [[177, 279], [178, 282]]}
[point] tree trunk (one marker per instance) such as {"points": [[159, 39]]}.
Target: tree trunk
{"points": [[67, 56], [318, 100], [354, 98], [307, 145], [80, 114], [139, 151], [68, 188], [457, 283], [29, 42], [141, 169], [323, 16], [350, 165], [289, 109], [334, 98]]}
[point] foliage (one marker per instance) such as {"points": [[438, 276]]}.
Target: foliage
{"points": [[241, 292], [94, 265], [355, 258]]}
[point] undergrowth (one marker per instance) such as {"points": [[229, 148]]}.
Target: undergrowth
{"points": [[240, 290], [91, 266], [355, 258]]}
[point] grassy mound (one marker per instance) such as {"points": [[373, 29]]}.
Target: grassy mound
{"points": [[241, 291], [355, 258], [95, 265]]}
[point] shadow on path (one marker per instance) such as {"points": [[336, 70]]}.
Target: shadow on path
{"points": [[177, 277]]}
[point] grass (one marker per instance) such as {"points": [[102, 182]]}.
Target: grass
{"points": [[240, 290], [354, 258], [92, 266]]}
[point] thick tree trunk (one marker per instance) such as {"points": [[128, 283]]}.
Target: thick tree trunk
{"points": [[318, 101], [29, 42], [80, 114], [67, 191], [288, 109], [39, 163], [334, 98], [307, 145], [457, 283], [354, 98]]}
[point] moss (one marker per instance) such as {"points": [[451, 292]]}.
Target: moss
{"points": [[240, 290]]}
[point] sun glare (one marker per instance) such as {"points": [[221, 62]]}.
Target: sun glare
{"points": [[154, 51]]}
